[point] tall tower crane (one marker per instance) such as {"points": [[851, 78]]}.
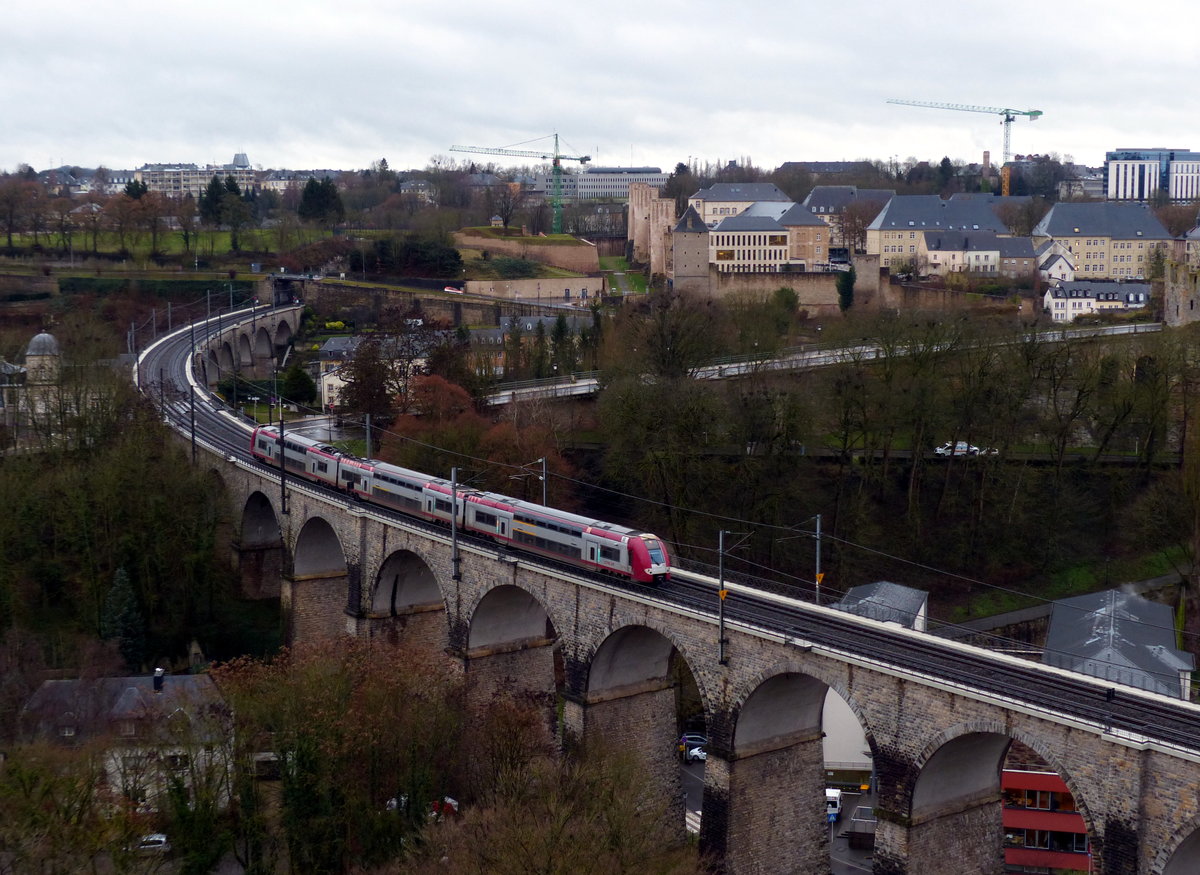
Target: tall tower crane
{"points": [[1009, 114], [556, 157]]}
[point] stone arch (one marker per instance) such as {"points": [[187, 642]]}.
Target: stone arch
{"points": [[245, 352], [226, 360], [260, 524], [954, 801], [264, 350], [1183, 858], [318, 551], [611, 663], [778, 709], [508, 616], [283, 333], [260, 554], [405, 581]]}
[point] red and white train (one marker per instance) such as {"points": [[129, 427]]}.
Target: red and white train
{"points": [[585, 542]]}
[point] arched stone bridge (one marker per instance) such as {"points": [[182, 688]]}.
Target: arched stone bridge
{"points": [[342, 569]]}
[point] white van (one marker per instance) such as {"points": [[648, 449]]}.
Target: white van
{"points": [[833, 805]]}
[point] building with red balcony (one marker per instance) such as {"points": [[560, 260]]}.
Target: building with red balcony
{"points": [[1043, 831]]}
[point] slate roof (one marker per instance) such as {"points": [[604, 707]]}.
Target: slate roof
{"points": [[768, 209], [884, 601], [742, 191], [1132, 294], [96, 706], [1120, 221], [691, 223], [1119, 637], [799, 215], [827, 167], [42, 344], [745, 222], [928, 211]]}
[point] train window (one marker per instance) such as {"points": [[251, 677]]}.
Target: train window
{"points": [[610, 554], [443, 506], [485, 519], [322, 467]]}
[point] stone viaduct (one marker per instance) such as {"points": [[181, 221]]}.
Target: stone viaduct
{"points": [[610, 654]]}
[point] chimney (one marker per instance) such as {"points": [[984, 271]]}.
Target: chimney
{"points": [[158, 680], [987, 160]]}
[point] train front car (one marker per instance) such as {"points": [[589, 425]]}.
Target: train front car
{"points": [[648, 559]]}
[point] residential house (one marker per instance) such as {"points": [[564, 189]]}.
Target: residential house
{"points": [[1117, 240], [154, 729], [1055, 262], [724, 199], [975, 252], [1067, 301]]}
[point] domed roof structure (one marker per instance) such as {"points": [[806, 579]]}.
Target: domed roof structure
{"points": [[42, 344]]}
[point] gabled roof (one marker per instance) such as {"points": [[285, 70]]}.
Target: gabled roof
{"points": [[799, 215], [97, 706], [1119, 221], [1015, 247], [691, 223], [768, 209], [745, 222], [884, 601], [741, 191], [1119, 637], [918, 212]]}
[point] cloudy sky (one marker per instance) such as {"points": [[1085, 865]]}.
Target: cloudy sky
{"points": [[317, 84]]}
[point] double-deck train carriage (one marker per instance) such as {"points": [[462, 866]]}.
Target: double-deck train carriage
{"points": [[526, 526], [584, 541], [301, 455]]}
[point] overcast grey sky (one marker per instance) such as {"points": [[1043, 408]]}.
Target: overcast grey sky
{"points": [[315, 84]]}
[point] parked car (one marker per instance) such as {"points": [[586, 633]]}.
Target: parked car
{"points": [[695, 755], [956, 448], [688, 742], [152, 844]]}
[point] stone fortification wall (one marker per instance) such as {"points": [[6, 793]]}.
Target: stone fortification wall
{"points": [[581, 258], [560, 290], [816, 292]]}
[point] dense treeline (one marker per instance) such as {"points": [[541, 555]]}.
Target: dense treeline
{"points": [[853, 442], [109, 534]]}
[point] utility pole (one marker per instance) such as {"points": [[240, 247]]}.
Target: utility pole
{"points": [[819, 574], [368, 416], [192, 390], [543, 461], [283, 504], [457, 575], [722, 658]]}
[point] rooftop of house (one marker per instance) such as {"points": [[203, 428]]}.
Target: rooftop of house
{"points": [[84, 708], [928, 211], [1117, 636], [835, 198], [741, 192], [1119, 221]]}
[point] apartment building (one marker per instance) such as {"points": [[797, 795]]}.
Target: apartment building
{"points": [[830, 204], [1105, 240], [976, 252], [769, 236], [1067, 301], [178, 180], [1146, 174], [600, 183]]}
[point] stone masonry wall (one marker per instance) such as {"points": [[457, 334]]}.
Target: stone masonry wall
{"points": [[314, 608], [971, 839], [581, 258], [779, 794]]}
